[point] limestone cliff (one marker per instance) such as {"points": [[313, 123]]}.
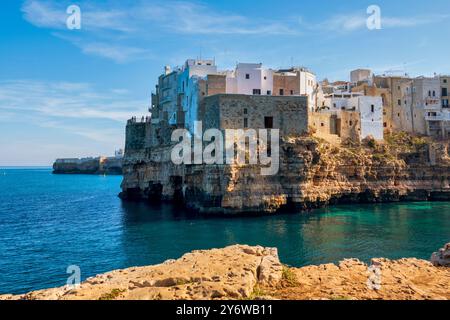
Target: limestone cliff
{"points": [[312, 173], [99, 165], [244, 272]]}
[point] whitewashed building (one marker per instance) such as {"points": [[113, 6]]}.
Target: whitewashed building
{"points": [[371, 115], [370, 109], [189, 90], [250, 79]]}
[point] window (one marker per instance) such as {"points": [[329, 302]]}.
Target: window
{"points": [[281, 92], [351, 122], [444, 92], [269, 93], [292, 92], [385, 124], [429, 93], [265, 78], [322, 124], [247, 76], [399, 102], [256, 91], [445, 103], [245, 123], [268, 122], [372, 108], [445, 80], [245, 111], [434, 93]]}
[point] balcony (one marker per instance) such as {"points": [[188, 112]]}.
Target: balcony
{"points": [[438, 116], [432, 102]]}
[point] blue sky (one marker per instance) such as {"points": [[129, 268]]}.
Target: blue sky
{"points": [[68, 93]]}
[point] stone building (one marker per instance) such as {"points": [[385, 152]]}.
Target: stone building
{"points": [[372, 91], [396, 115], [445, 91], [351, 116], [297, 81], [361, 75], [231, 111]]}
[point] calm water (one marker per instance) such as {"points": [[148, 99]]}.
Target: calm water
{"points": [[48, 222]]}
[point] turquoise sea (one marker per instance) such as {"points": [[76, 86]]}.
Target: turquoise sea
{"points": [[48, 222]]}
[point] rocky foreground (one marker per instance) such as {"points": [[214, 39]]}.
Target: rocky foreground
{"points": [[244, 272]]}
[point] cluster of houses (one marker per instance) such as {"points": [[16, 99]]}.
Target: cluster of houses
{"points": [[367, 105]]}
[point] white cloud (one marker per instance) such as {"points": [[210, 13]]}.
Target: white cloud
{"points": [[123, 31], [404, 22], [67, 100], [62, 119], [357, 21], [176, 16], [45, 14], [120, 54]]}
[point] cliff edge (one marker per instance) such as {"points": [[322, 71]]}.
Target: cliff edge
{"points": [[312, 173], [245, 272]]}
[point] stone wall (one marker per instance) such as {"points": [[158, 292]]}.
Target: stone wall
{"points": [[137, 136], [336, 127], [215, 84], [289, 114], [312, 173], [288, 84], [349, 125]]}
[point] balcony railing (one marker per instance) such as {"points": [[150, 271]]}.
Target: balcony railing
{"points": [[439, 116]]}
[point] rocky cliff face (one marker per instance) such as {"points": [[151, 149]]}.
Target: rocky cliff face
{"points": [[312, 173], [244, 272], [112, 166]]}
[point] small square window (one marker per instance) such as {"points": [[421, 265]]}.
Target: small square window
{"points": [[268, 122], [247, 76]]}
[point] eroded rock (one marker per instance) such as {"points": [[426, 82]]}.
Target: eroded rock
{"points": [[442, 257], [229, 273]]}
